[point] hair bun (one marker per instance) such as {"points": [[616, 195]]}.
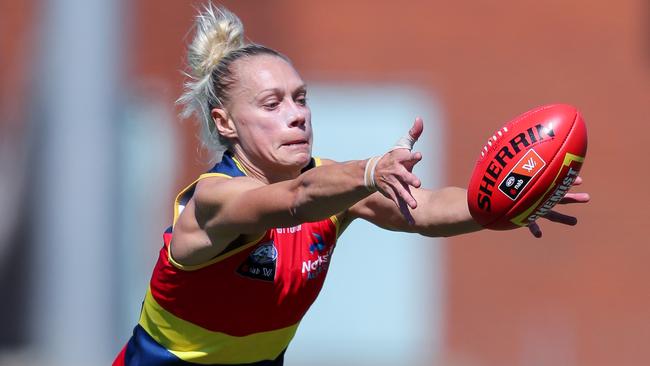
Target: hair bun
{"points": [[218, 32]]}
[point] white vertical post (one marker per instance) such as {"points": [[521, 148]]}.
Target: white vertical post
{"points": [[75, 182]]}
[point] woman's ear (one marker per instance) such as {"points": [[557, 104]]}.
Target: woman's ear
{"points": [[225, 126]]}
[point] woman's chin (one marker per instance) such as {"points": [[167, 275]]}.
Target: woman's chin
{"points": [[297, 159]]}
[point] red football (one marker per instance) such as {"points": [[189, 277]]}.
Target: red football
{"points": [[527, 167]]}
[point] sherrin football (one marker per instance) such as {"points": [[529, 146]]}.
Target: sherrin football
{"points": [[527, 166]]}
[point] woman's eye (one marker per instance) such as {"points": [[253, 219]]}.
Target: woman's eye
{"points": [[271, 105], [302, 100]]}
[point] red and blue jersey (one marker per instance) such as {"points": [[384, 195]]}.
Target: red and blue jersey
{"points": [[242, 307]]}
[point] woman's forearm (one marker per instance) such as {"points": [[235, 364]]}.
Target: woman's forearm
{"points": [[444, 213], [329, 189]]}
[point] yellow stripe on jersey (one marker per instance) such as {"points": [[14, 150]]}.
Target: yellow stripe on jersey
{"points": [[192, 343], [334, 218], [337, 224], [238, 164], [178, 202]]}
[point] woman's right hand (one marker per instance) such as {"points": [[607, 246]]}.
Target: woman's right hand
{"points": [[394, 173]]}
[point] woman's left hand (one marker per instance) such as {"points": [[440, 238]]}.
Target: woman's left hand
{"points": [[559, 217]]}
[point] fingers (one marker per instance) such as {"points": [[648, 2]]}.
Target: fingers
{"points": [[394, 175], [407, 141], [399, 201], [404, 192], [555, 216], [535, 230], [404, 172], [406, 178], [561, 218], [416, 130], [406, 212], [412, 180], [412, 161], [396, 187], [400, 163], [575, 198], [403, 207], [552, 216], [404, 201]]}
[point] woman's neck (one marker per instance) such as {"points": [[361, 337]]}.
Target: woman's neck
{"points": [[265, 174]]}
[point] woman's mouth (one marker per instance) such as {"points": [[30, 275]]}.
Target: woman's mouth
{"points": [[296, 143]]}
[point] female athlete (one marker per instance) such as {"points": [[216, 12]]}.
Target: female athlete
{"points": [[251, 239]]}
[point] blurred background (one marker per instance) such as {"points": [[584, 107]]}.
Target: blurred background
{"points": [[92, 154]]}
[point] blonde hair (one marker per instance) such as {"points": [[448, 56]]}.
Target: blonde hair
{"points": [[218, 41]]}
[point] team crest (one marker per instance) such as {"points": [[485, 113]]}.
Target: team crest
{"points": [[260, 264]]}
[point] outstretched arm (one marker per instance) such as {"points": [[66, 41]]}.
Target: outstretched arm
{"points": [[224, 210], [442, 212]]}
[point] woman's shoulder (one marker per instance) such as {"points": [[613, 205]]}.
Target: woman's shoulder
{"points": [[211, 188], [326, 161]]}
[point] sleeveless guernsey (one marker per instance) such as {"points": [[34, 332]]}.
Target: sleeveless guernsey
{"points": [[242, 307]]}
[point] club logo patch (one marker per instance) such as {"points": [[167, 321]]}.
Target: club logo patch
{"points": [[260, 264], [522, 173]]}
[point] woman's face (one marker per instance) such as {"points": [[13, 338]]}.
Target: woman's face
{"points": [[268, 109]]}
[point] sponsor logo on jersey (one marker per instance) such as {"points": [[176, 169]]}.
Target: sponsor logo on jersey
{"points": [[522, 173], [315, 266], [260, 264], [318, 246]]}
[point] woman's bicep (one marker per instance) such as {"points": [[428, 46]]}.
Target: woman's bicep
{"points": [[242, 206], [220, 212]]}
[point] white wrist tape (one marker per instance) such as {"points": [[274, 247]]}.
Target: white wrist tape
{"points": [[369, 174], [405, 142]]}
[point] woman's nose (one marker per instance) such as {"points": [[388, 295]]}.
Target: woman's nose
{"points": [[297, 117]]}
